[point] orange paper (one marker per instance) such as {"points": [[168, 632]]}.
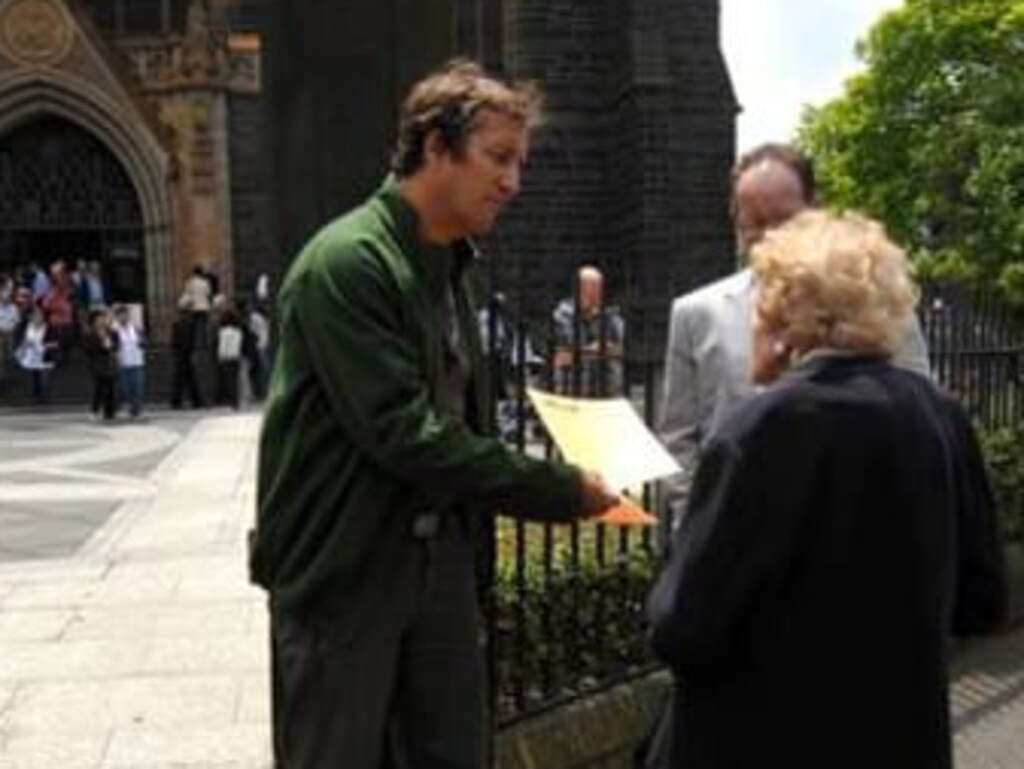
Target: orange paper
{"points": [[627, 514]]}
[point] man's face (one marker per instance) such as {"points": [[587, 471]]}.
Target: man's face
{"points": [[767, 196], [591, 289], [476, 186]]}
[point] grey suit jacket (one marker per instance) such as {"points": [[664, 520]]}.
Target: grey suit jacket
{"points": [[707, 370]]}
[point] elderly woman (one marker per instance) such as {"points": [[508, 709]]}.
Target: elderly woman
{"points": [[840, 528]]}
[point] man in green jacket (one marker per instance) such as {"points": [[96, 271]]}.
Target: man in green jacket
{"points": [[373, 459]]}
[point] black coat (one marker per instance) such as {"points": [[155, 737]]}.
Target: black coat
{"points": [[840, 527], [183, 339], [101, 353]]}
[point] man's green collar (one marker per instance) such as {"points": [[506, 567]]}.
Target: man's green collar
{"points": [[464, 251]]}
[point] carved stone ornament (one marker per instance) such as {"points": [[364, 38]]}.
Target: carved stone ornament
{"points": [[35, 32]]}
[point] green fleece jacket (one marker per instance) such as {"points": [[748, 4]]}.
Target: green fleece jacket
{"points": [[355, 441]]}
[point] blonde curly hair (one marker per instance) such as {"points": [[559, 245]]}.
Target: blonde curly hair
{"points": [[834, 280]]}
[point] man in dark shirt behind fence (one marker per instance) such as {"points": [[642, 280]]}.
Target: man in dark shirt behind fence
{"points": [[373, 464], [589, 335]]}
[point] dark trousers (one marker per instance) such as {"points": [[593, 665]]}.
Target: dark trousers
{"points": [[185, 384], [400, 684], [40, 385], [104, 395], [258, 372], [227, 383], [201, 331]]}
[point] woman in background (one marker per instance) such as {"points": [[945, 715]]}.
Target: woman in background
{"points": [[34, 351], [840, 527]]}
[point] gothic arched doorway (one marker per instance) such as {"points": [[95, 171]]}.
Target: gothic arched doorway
{"points": [[64, 195]]}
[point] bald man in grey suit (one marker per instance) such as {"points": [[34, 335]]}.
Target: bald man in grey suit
{"points": [[707, 367]]}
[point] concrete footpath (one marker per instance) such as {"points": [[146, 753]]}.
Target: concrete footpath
{"points": [[145, 647]]}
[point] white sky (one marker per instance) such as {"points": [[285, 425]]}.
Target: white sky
{"points": [[783, 54]]}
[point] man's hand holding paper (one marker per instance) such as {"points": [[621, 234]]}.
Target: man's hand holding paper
{"points": [[598, 498]]}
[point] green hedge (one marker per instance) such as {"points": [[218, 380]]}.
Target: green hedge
{"points": [[1004, 453], [569, 627]]}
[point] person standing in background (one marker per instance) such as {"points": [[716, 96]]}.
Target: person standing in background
{"points": [[59, 306], [184, 379], [256, 348], [38, 281], [588, 346], [197, 299], [34, 352], [92, 291], [230, 338], [102, 355], [261, 291], [131, 360]]}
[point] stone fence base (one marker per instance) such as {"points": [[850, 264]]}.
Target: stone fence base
{"points": [[601, 731]]}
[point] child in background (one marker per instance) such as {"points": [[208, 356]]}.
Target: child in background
{"points": [[229, 358], [131, 360]]}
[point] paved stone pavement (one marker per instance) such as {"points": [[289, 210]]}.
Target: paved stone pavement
{"points": [[62, 475], [988, 703], [145, 648], [140, 645]]}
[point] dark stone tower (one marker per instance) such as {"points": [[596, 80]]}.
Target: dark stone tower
{"points": [[631, 171], [336, 73]]}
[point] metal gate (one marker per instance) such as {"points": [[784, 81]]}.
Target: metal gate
{"points": [[64, 196]]}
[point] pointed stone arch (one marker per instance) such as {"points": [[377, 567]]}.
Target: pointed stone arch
{"points": [[26, 95]]}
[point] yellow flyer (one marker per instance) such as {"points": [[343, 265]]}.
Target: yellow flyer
{"points": [[605, 436]]}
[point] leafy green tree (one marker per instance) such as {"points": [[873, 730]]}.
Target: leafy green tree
{"points": [[929, 137]]}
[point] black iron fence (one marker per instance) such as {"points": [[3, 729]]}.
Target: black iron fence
{"points": [[975, 341], [567, 604]]}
